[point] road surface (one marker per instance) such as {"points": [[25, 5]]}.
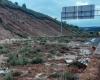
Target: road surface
{"points": [[97, 49]]}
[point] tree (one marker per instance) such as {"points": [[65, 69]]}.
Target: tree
{"points": [[16, 3], [24, 5]]}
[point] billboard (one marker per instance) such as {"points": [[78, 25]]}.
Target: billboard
{"points": [[80, 12]]}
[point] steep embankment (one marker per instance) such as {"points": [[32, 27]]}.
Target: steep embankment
{"points": [[18, 21]]}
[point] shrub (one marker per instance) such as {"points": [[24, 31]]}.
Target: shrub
{"points": [[66, 75], [16, 74], [69, 76], [22, 60], [53, 52], [14, 60], [37, 60], [3, 49], [8, 76], [16, 3], [78, 65], [26, 51], [24, 5], [54, 75]]}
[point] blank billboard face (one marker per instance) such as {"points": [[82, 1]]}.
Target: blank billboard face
{"points": [[69, 12], [80, 12], [86, 12]]}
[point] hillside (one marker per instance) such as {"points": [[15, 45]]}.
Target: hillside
{"points": [[17, 21]]}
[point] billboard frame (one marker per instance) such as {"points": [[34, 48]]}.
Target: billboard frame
{"points": [[78, 18], [78, 12]]}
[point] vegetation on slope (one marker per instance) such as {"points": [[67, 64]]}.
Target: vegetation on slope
{"points": [[37, 15]]}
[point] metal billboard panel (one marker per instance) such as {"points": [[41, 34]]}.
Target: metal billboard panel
{"points": [[69, 12], [86, 12], [80, 12]]}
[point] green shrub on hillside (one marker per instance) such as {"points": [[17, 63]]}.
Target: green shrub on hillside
{"points": [[66, 75], [16, 3], [12, 59], [3, 49], [15, 59], [8, 76], [37, 60], [24, 6]]}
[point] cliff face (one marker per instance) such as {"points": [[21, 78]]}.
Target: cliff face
{"points": [[16, 21]]}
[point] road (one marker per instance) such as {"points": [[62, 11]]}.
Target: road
{"points": [[93, 41], [97, 49]]}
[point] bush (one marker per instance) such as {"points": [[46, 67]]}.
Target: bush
{"points": [[14, 60], [26, 51], [66, 75], [52, 52], [24, 6], [54, 75], [8, 76], [78, 65], [37, 60], [16, 3], [17, 74], [3, 49], [22, 60], [69, 76]]}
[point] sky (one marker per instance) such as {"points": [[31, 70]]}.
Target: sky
{"points": [[53, 8]]}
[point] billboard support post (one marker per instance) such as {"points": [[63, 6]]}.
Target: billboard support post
{"points": [[61, 26]]}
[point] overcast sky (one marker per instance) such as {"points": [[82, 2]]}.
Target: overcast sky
{"points": [[53, 8]]}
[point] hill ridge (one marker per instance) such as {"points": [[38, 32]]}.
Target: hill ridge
{"points": [[17, 21]]}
